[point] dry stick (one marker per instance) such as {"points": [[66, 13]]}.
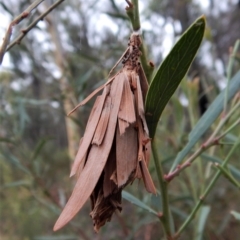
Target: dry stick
{"points": [[16, 21], [33, 24]]}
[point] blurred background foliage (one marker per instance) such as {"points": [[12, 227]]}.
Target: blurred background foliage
{"points": [[58, 64]]}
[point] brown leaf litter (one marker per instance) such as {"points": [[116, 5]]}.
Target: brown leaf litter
{"points": [[115, 148]]}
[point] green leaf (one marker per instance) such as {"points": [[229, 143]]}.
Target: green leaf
{"points": [[129, 197], [226, 173], [10, 158], [202, 221], [17, 184], [171, 72], [208, 118], [233, 170], [39, 147], [236, 215]]}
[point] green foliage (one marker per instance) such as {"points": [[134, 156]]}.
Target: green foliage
{"points": [[171, 72], [208, 118], [34, 159]]}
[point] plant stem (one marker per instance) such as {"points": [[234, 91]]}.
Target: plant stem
{"points": [[208, 189], [189, 161], [227, 174], [148, 66], [16, 21], [33, 24], [133, 14], [165, 218], [223, 121], [212, 140]]}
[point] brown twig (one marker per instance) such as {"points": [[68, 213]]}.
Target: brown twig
{"points": [[189, 161], [33, 24], [211, 141], [16, 21]]}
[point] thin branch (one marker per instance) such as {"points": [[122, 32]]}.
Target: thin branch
{"points": [[148, 66], [133, 14], [33, 24], [165, 216], [16, 21], [206, 192], [190, 160], [224, 120], [212, 140], [227, 174]]}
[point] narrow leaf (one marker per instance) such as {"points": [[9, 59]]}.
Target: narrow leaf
{"points": [[90, 129], [96, 161], [171, 72], [208, 118], [16, 184], [202, 221], [233, 170], [228, 175], [41, 143], [10, 158], [129, 197], [148, 182]]}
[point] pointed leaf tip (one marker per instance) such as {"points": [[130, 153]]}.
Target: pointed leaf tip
{"points": [[172, 71]]}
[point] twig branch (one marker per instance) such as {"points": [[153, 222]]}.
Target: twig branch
{"points": [[206, 192], [165, 216], [212, 140], [33, 24], [16, 21], [224, 120], [227, 174], [189, 161], [133, 14]]}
